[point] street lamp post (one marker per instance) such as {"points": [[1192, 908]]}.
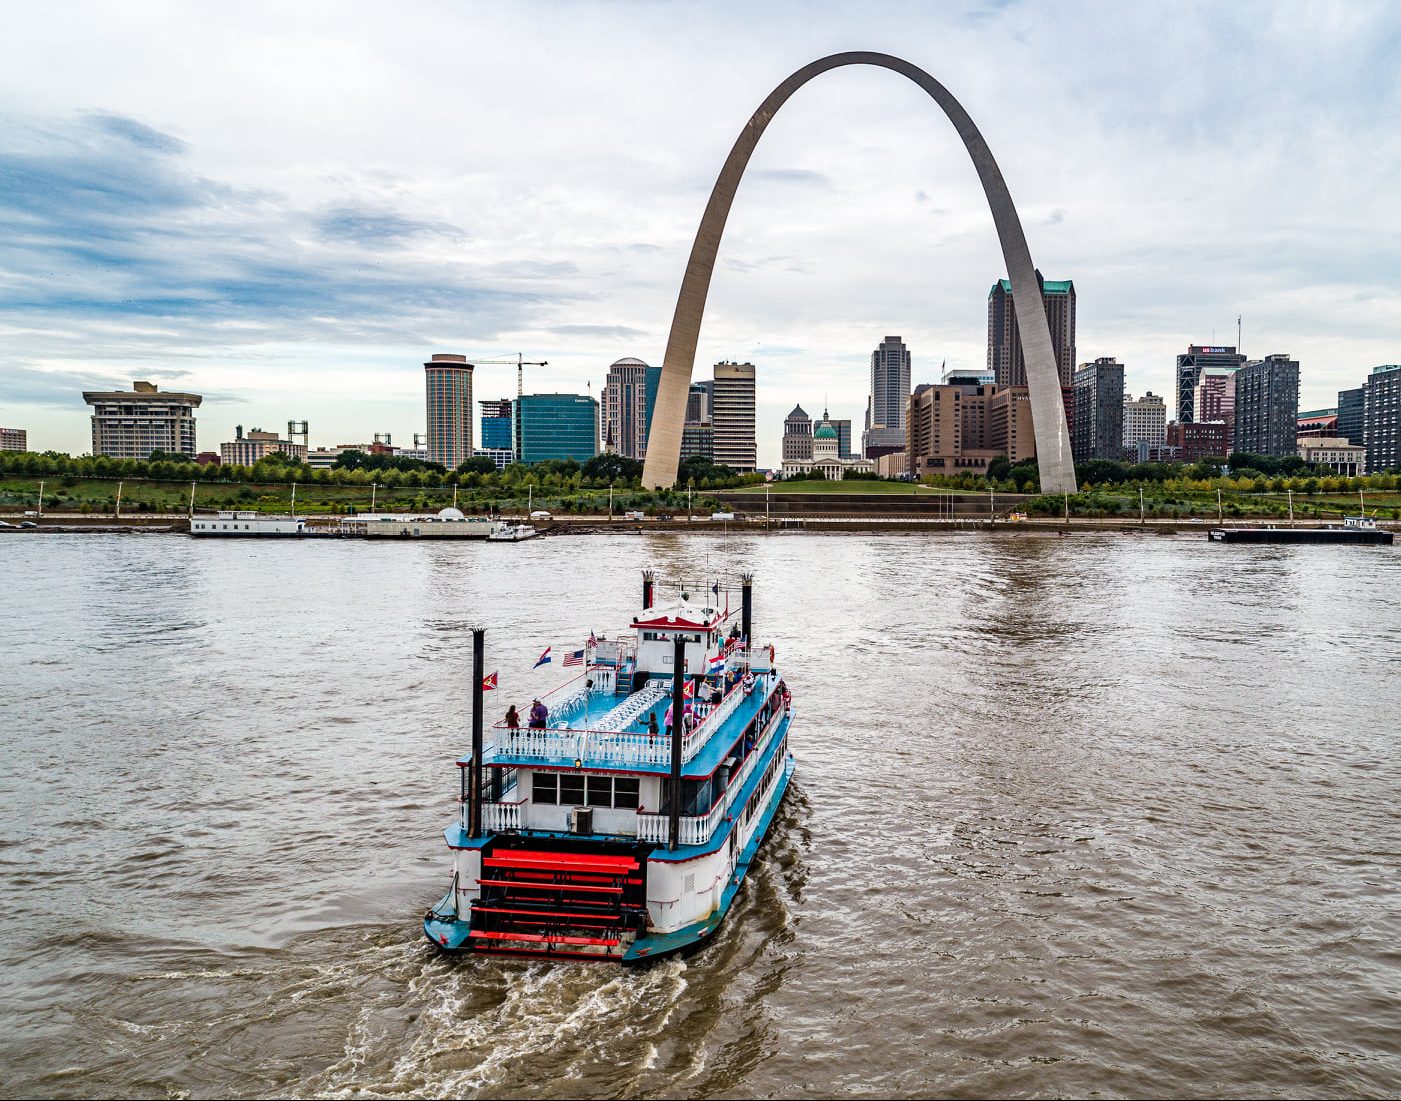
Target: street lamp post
{"points": [[1291, 506], [374, 493], [117, 508], [1142, 518]]}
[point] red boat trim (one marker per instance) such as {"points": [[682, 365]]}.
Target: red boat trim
{"points": [[520, 885], [486, 934]]}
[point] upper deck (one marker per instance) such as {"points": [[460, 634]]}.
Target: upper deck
{"points": [[614, 716]]}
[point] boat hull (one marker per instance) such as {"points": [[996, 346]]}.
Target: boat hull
{"points": [[455, 935], [1302, 535]]}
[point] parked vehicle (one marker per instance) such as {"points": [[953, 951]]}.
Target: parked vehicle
{"points": [[541, 514], [722, 515], [634, 515]]}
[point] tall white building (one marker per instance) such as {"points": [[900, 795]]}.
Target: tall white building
{"points": [[736, 444], [1145, 424]]}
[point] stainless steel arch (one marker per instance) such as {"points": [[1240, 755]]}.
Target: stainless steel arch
{"points": [[1043, 381]]}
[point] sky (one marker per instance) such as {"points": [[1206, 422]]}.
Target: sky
{"points": [[288, 208]]}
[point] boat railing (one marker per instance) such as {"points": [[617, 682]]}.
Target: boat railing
{"points": [[697, 829], [619, 746], [504, 815]]}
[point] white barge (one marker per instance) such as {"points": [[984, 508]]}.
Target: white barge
{"points": [[228, 524], [620, 825]]}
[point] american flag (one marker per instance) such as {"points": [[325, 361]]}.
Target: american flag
{"points": [[574, 657], [592, 640]]}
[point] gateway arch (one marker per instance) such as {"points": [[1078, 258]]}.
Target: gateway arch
{"points": [[1043, 380]]}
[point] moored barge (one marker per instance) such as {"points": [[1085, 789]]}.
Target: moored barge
{"points": [[1357, 530], [620, 826]]}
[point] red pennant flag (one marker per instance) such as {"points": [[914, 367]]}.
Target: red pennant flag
{"points": [[489, 682]]}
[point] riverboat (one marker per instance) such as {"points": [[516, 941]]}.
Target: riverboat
{"points": [[229, 524], [1357, 530], [622, 829]]}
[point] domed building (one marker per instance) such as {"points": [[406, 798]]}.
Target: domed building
{"points": [[826, 456]]}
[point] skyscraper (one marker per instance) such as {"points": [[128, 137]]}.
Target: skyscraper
{"points": [[1006, 363], [556, 426], [1189, 368], [448, 379], [496, 424], [888, 403], [130, 424], [797, 435], [1267, 406], [629, 393], [1381, 419], [733, 415], [1099, 410]]}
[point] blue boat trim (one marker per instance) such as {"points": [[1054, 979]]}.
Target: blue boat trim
{"points": [[651, 947]]}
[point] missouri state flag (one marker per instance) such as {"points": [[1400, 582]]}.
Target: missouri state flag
{"points": [[489, 682]]}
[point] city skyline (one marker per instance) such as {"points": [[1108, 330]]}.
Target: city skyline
{"points": [[305, 263]]}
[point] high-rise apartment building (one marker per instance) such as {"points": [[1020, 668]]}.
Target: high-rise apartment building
{"points": [[629, 393], [1352, 405], [1006, 363], [1381, 419], [496, 424], [14, 439], [1099, 410], [1145, 425], [556, 426], [1267, 406], [448, 379], [887, 405], [733, 412], [1189, 368], [245, 450], [130, 424], [797, 435]]}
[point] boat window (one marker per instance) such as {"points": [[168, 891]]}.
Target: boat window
{"points": [[625, 792], [600, 791], [544, 787], [571, 790]]}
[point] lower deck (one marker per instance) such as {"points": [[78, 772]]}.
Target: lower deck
{"points": [[606, 898]]}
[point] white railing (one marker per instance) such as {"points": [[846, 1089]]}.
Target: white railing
{"points": [[695, 829], [503, 816], [617, 747]]}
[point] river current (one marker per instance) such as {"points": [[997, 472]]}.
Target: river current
{"points": [[1096, 815]]}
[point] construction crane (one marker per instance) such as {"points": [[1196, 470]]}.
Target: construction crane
{"points": [[521, 363]]}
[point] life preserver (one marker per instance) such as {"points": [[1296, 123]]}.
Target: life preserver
{"points": [[771, 653]]}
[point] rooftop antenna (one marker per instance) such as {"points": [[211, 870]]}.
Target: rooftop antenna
{"points": [[1238, 351]]}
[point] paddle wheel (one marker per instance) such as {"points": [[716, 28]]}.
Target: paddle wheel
{"points": [[580, 901]]}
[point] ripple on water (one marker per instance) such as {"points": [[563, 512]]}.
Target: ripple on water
{"points": [[1077, 816]]}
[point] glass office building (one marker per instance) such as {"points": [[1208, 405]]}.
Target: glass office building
{"points": [[556, 426]]}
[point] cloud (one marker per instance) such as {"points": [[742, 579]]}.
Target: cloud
{"points": [[379, 229], [617, 332], [107, 234], [801, 176]]}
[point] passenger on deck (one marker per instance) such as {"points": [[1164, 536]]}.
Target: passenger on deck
{"points": [[652, 730], [538, 714], [513, 719]]}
